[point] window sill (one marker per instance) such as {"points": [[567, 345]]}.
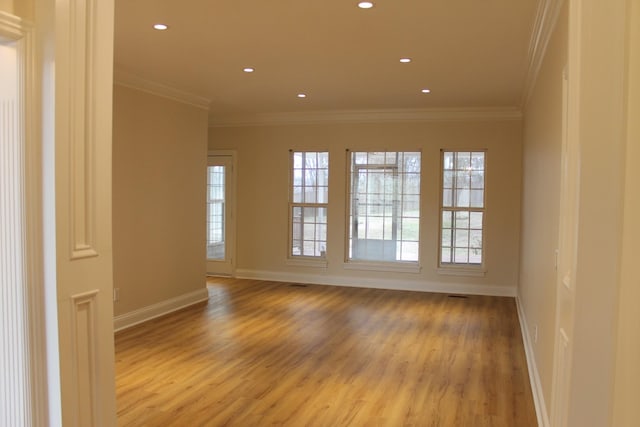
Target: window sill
{"points": [[462, 271], [383, 266], [307, 262]]}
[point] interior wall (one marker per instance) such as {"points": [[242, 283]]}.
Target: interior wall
{"points": [[601, 32], [24, 9], [262, 199], [626, 409], [159, 188], [542, 145]]}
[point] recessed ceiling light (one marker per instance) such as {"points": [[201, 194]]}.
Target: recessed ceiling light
{"points": [[301, 95], [160, 27], [248, 69], [426, 90], [365, 5], [405, 60]]}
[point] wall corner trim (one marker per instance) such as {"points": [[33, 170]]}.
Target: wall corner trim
{"points": [[132, 81], [543, 26], [534, 375], [162, 308]]}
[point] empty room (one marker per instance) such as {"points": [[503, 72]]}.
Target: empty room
{"points": [[337, 213]]}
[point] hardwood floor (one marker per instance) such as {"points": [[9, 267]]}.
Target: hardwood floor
{"points": [[265, 353]]}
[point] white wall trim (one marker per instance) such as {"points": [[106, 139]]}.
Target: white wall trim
{"points": [[123, 78], [37, 386], [365, 116], [545, 22], [378, 283], [162, 308], [534, 375]]}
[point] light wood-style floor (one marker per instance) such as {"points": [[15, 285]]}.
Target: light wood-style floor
{"points": [[265, 353]]}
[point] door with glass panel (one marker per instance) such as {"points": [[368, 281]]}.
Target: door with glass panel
{"points": [[220, 237]]}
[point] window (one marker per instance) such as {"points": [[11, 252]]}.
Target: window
{"points": [[308, 201], [216, 212], [384, 200], [462, 208]]}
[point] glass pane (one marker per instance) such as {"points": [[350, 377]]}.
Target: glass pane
{"points": [[447, 179], [310, 195], [475, 239], [446, 198], [462, 198], [323, 177], [476, 220], [477, 179], [463, 160], [410, 229], [461, 255], [447, 160], [409, 251], [411, 207], [297, 194], [462, 219], [447, 219], [477, 161], [310, 177], [463, 180], [297, 177], [477, 199], [445, 254], [446, 237], [297, 160], [475, 256], [375, 228], [461, 238], [323, 194]]}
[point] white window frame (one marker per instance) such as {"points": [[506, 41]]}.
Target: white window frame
{"points": [[408, 266], [319, 260], [462, 268]]}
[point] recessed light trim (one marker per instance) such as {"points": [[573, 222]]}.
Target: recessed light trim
{"points": [[160, 27], [365, 5], [248, 69], [405, 60], [426, 91]]}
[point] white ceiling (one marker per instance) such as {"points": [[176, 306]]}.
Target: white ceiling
{"points": [[470, 53]]}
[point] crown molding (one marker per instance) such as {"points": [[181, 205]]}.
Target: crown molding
{"points": [[364, 116], [132, 81], [545, 22]]}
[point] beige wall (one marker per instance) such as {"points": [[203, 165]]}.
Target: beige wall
{"points": [[263, 162], [22, 8], [540, 201], [159, 164], [626, 408]]}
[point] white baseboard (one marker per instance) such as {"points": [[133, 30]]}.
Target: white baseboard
{"points": [[378, 283], [534, 375], [147, 313]]}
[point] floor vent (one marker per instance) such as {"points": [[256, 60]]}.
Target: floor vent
{"points": [[297, 285], [458, 296]]}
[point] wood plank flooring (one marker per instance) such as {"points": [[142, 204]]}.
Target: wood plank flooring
{"points": [[265, 353]]}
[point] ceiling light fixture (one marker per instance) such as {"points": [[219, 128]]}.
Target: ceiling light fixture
{"points": [[365, 5], [248, 69], [426, 90], [160, 27], [405, 60], [301, 95]]}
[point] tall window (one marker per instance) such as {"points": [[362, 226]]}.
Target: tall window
{"points": [[384, 200], [308, 201], [215, 212], [462, 208]]}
